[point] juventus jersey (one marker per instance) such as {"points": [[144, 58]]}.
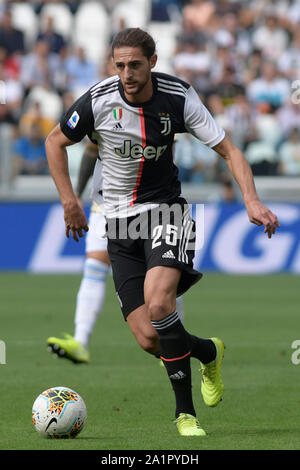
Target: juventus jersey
{"points": [[135, 140]]}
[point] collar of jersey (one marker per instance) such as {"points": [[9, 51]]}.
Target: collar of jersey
{"points": [[139, 105]]}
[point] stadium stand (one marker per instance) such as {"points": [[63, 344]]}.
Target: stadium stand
{"points": [[134, 12], [62, 18], [91, 30], [26, 20], [243, 58]]}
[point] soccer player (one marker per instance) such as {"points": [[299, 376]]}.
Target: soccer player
{"points": [[92, 290], [133, 117]]}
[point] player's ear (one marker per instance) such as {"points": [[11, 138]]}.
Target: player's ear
{"points": [[153, 60]]}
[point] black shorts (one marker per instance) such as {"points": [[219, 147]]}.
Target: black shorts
{"points": [[164, 236]]}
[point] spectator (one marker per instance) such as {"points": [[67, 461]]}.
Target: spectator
{"points": [[289, 155], [33, 117], [267, 126], [262, 157], [217, 108], [165, 10], [270, 38], [55, 40], [195, 161], [38, 66], [12, 94], [269, 88], [192, 63], [288, 117], [81, 72], [253, 67], [231, 35], [289, 62], [198, 14], [223, 58], [240, 116], [29, 153], [189, 33], [224, 7], [293, 14], [11, 63], [60, 79], [229, 86], [11, 39]]}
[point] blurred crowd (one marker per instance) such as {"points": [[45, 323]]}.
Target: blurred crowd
{"points": [[242, 57]]}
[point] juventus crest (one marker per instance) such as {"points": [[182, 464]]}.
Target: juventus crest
{"points": [[166, 122]]}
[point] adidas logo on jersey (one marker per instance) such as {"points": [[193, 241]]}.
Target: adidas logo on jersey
{"points": [[169, 254], [118, 127]]}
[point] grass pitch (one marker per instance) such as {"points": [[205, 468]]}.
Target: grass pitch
{"points": [[128, 396]]}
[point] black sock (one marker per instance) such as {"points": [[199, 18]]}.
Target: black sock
{"points": [[175, 347], [203, 349]]}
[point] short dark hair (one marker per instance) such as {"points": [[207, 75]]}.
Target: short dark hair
{"points": [[134, 37]]}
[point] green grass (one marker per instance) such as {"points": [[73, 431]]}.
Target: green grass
{"points": [[128, 396]]}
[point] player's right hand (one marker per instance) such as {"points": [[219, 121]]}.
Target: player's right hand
{"points": [[75, 221]]}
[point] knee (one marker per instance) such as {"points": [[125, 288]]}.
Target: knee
{"points": [[148, 341], [159, 309]]}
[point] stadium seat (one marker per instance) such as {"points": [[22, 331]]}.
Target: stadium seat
{"points": [[91, 30], [25, 19], [63, 19], [136, 13], [50, 102], [164, 34]]}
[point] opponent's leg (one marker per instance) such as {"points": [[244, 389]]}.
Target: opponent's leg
{"points": [[90, 299], [91, 295]]}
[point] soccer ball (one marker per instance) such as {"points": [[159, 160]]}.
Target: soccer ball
{"points": [[59, 412]]}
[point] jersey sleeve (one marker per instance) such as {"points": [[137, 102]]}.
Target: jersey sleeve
{"points": [[199, 122], [78, 121]]}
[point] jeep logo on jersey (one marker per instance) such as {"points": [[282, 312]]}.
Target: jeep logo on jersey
{"points": [[137, 151]]}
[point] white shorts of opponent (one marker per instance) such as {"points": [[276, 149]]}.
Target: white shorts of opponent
{"points": [[95, 237]]}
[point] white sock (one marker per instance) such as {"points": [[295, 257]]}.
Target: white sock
{"points": [[179, 308], [90, 299]]}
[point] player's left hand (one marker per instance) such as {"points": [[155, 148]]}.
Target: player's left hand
{"points": [[259, 214]]}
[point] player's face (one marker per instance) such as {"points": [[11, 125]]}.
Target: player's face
{"points": [[134, 70]]}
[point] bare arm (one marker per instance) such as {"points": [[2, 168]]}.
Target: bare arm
{"points": [[57, 156], [258, 213]]}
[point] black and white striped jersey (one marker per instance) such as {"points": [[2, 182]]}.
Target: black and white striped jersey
{"points": [[135, 140]]}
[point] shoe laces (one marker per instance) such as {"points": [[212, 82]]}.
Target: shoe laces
{"points": [[209, 371]]}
